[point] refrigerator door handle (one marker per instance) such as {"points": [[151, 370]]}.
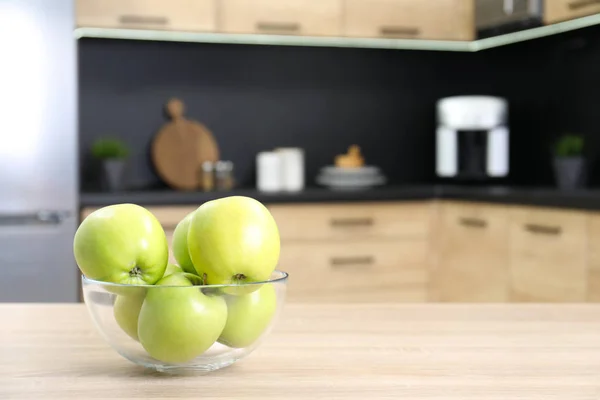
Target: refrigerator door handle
{"points": [[42, 217]]}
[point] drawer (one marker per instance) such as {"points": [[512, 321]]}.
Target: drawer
{"points": [[411, 19], [183, 15], [287, 17], [472, 254], [352, 221], [562, 10], [547, 255], [356, 271]]}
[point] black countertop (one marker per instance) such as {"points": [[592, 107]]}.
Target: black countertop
{"points": [[588, 199]]}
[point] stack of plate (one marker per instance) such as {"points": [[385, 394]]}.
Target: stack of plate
{"points": [[350, 178]]}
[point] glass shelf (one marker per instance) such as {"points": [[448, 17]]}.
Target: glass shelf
{"points": [[379, 43]]}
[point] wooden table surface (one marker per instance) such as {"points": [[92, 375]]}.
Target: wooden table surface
{"points": [[362, 352]]}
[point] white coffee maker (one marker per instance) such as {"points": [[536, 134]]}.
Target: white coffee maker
{"points": [[472, 138]]}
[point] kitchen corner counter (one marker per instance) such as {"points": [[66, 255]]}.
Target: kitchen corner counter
{"points": [[319, 351], [588, 199]]}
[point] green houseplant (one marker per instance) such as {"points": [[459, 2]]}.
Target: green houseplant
{"points": [[569, 162], [112, 154]]}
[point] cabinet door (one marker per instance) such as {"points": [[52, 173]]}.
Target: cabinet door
{"points": [[562, 10], [593, 287], [183, 15], [548, 255], [411, 19], [472, 246], [356, 271], [287, 17]]}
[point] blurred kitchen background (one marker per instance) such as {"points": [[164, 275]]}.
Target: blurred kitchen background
{"points": [[410, 150]]}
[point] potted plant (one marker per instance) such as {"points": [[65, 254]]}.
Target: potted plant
{"points": [[569, 162], [112, 153]]}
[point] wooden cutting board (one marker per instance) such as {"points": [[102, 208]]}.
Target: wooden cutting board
{"points": [[180, 147]]}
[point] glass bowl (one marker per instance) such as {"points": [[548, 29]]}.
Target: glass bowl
{"points": [[185, 328]]}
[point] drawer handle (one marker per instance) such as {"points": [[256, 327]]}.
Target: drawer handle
{"points": [[542, 229], [398, 31], [278, 26], [343, 261], [473, 222], [142, 20], [576, 5], [345, 222]]}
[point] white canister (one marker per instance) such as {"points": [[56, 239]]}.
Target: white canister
{"points": [[268, 171], [292, 168]]}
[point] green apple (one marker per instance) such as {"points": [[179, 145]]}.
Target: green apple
{"points": [[233, 240], [180, 244], [127, 310], [177, 321], [248, 316], [172, 269], [122, 243]]}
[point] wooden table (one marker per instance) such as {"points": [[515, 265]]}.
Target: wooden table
{"points": [[327, 352]]}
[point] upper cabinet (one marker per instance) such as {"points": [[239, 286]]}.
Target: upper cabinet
{"points": [[410, 19], [562, 10], [287, 17], [183, 15]]}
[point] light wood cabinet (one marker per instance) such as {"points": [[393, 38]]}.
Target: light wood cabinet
{"points": [[410, 19], [472, 254], [356, 271], [562, 10], [548, 255], [593, 286], [355, 252], [180, 15], [353, 221], [287, 17]]}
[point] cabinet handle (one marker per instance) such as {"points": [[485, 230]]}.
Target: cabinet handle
{"points": [[344, 261], [278, 26], [142, 20], [576, 5], [398, 31], [542, 229], [472, 222], [344, 222]]}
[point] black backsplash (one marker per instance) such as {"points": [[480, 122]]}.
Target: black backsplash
{"points": [[255, 98]]}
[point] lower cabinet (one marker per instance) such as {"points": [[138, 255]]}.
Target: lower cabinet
{"points": [[471, 263], [356, 271], [548, 255], [442, 251]]}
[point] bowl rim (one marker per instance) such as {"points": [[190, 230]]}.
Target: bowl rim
{"points": [[281, 277]]}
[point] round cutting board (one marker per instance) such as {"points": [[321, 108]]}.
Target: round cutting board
{"points": [[180, 147]]}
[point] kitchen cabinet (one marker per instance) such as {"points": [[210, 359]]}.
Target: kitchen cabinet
{"points": [[365, 252], [356, 271], [562, 10], [472, 254], [593, 286], [547, 255], [180, 15], [352, 221], [410, 19], [287, 17]]}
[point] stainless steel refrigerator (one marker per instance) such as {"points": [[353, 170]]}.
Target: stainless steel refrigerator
{"points": [[38, 151]]}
